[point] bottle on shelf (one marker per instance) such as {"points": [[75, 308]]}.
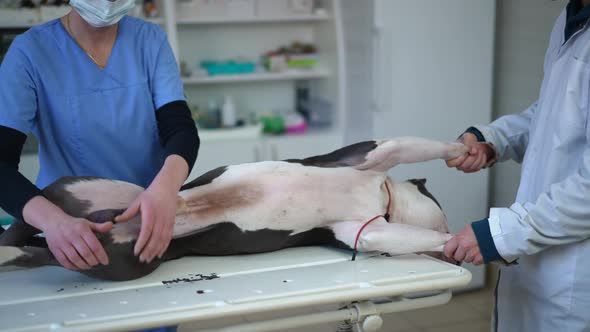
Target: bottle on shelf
{"points": [[228, 112], [211, 117]]}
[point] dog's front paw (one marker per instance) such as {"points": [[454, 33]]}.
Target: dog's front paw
{"points": [[455, 150]]}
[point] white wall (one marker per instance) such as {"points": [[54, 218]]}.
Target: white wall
{"points": [[357, 21], [522, 35]]}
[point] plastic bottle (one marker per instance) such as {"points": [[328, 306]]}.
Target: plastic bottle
{"points": [[212, 118], [228, 112]]}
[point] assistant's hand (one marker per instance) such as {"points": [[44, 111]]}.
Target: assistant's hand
{"points": [[73, 243], [478, 156], [463, 247], [157, 206], [71, 240]]}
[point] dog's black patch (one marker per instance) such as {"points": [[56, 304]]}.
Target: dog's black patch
{"points": [[102, 216], [421, 184], [123, 264], [205, 178], [228, 239], [66, 200], [352, 155], [18, 234]]}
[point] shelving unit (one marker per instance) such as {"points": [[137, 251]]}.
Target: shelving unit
{"points": [[196, 39]]}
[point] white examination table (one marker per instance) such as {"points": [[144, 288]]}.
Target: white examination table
{"points": [[55, 299]]}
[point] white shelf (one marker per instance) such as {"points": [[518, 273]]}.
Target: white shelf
{"points": [[238, 20], [259, 77], [222, 134]]}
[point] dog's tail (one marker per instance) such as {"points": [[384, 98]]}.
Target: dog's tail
{"points": [[25, 257]]}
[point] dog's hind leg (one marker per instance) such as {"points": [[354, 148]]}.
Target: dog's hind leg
{"points": [[387, 237], [406, 150], [25, 257], [18, 234]]}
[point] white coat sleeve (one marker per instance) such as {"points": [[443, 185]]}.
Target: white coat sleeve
{"points": [[509, 134], [559, 216]]}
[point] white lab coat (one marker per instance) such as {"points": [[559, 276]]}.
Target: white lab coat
{"points": [[548, 228]]}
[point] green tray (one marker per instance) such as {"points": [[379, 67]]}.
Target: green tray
{"points": [[5, 221]]}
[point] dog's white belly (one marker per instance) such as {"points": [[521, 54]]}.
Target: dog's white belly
{"points": [[285, 196]]}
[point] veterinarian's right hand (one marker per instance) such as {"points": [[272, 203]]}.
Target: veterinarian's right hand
{"points": [[478, 156], [73, 243]]}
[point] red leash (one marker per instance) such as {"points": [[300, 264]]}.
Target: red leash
{"points": [[386, 216]]}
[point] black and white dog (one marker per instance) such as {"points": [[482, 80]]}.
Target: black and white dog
{"points": [[264, 206]]}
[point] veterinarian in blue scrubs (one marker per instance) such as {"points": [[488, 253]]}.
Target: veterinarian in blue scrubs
{"points": [[102, 93], [545, 234]]}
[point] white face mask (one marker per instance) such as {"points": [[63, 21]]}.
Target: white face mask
{"points": [[102, 13]]}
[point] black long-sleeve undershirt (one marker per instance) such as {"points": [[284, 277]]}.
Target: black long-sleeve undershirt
{"points": [[16, 189], [177, 131]]}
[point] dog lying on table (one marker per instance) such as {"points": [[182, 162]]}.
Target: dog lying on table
{"points": [[343, 199]]}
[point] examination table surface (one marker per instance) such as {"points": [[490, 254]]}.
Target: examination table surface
{"points": [[204, 288]]}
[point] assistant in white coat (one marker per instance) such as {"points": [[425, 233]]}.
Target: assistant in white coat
{"points": [[545, 233]]}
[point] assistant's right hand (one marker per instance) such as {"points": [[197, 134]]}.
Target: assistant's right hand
{"points": [[73, 243], [478, 156]]}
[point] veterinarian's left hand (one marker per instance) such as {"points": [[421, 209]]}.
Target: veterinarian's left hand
{"points": [[463, 247], [480, 155], [157, 205]]}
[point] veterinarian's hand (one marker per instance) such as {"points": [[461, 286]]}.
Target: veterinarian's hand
{"points": [[463, 247], [157, 206], [478, 156], [73, 243]]}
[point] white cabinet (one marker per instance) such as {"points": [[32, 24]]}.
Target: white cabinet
{"points": [[434, 79], [226, 152], [213, 154], [300, 147]]}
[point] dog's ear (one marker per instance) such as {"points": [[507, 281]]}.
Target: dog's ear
{"points": [[418, 181]]}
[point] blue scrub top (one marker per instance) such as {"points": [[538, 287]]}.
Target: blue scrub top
{"points": [[91, 121]]}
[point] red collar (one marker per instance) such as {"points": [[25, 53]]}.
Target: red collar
{"points": [[386, 216]]}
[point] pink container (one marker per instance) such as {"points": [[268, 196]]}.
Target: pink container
{"points": [[296, 129]]}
